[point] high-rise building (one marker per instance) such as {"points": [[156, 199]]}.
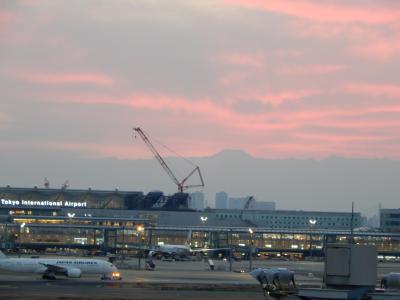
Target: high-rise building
{"points": [[221, 200], [197, 201]]}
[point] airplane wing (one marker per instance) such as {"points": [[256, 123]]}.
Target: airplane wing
{"points": [[52, 270], [209, 249]]}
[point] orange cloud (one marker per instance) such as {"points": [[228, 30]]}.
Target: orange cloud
{"points": [[322, 11]]}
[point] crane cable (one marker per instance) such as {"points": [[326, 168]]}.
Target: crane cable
{"points": [[169, 149]]}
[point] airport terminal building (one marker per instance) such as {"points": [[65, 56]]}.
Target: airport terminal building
{"points": [[94, 219], [390, 220]]}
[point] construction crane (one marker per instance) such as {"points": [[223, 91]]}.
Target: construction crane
{"points": [[180, 184], [246, 206]]}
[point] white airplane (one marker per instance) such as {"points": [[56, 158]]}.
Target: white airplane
{"points": [[177, 251], [50, 267], [171, 251]]}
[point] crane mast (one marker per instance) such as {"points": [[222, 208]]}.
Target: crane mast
{"points": [[180, 184]]}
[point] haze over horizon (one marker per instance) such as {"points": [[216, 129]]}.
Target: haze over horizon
{"points": [[329, 184], [305, 81]]}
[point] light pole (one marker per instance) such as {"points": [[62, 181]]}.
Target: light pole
{"points": [[203, 222], [312, 222], [21, 229], [251, 250], [230, 250], [140, 230]]}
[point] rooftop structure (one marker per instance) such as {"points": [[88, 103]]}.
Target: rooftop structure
{"points": [[99, 199]]}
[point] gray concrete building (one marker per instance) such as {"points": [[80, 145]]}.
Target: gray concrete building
{"points": [[390, 220], [221, 200], [264, 205], [238, 202]]}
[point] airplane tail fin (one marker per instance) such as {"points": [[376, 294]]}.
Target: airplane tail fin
{"points": [[2, 255]]}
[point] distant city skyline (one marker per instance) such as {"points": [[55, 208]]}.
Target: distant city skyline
{"points": [[319, 185], [223, 201]]}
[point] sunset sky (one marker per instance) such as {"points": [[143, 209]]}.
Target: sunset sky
{"points": [[277, 79]]}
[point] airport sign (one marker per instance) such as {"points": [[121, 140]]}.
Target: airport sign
{"points": [[43, 203]]}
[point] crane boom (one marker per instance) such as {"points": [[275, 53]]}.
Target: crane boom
{"points": [[246, 206], [180, 184]]}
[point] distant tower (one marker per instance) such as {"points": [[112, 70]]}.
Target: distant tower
{"points": [[65, 185], [196, 201], [46, 183], [221, 200]]}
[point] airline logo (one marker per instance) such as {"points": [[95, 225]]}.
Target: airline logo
{"points": [[69, 262]]}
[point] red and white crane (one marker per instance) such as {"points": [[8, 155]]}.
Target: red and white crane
{"points": [[181, 184]]}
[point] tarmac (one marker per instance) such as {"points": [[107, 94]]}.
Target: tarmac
{"points": [[170, 280]]}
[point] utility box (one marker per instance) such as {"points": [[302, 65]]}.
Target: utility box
{"points": [[350, 265]]}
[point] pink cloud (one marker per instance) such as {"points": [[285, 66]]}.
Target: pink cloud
{"points": [[323, 11], [258, 96], [317, 69], [340, 138], [4, 119], [233, 78], [66, 78], [312, 132], [309, 28], [254, 60], [123, 151], [203, 109], [375, 90], [223, 116], [6, 17], [279, 98], [378, 49]]}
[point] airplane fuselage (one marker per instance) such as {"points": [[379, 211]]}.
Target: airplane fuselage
{"points": [[179, 249], [38, 265]]}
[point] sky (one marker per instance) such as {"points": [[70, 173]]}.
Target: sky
{"points": [[301, 79], [277, 79]]}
